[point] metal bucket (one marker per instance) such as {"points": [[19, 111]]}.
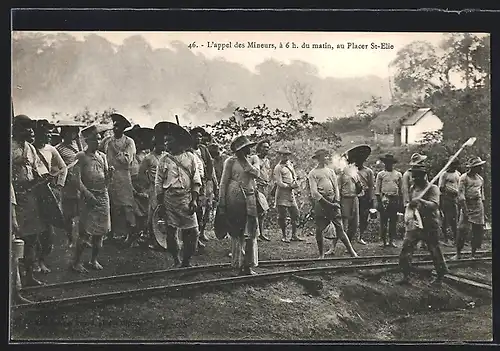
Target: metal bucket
{"points": [[373, 213], [18, 248]]}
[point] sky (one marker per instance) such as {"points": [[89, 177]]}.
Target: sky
{"points": [[336, 62]]}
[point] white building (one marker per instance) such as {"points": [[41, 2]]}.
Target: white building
{"points": [[421, 121]]}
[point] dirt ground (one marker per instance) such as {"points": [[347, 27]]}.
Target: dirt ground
{"points": [[349, 307]]}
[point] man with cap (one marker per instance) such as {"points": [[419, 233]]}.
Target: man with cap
{"points": [[143, 138], [27, 169], [324, 188], [286, 182], [388, 189], [53, 163], [262, 159], [70, 193], [238, 204], [94, 175], [147, 175], [209, 187], [177, 186], [471, 200], [448, 185], [427, 206], [120, 152]]}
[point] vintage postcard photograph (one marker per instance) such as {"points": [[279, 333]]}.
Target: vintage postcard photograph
{"points": [[250, 186]]}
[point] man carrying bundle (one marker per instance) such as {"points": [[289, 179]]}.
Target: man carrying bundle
{"points": [[70, 193], [177, 186], [325, 192], [94, 175], [424, 207], [53, 163]]}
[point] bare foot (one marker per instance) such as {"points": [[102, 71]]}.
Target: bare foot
{"points": [[354, 254], [44, 268], [321, 257], [95, 265], [79, 268], [330, 252]]}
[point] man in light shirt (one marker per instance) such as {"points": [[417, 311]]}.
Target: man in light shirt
{"points": [[177, 185], [388, 191]]}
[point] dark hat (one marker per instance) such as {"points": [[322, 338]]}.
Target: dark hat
{"points": [[475, 161], [388, 158], [23, 121], [119, 119], [418, 168], [200, 130], [284, 150], [42, 125], [175, 130], [69, 123], [417, 158], [241, 142], [141, 134], [358, 152], [321, 152], [89, 131]]}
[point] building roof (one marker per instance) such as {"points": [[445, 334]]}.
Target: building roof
{"points": [[392, 116], [415, 117]]}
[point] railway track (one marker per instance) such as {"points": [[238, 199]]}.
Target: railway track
{"points": [[69, 294]]}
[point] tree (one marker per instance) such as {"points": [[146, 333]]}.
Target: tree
{"points": [[299, 96]]}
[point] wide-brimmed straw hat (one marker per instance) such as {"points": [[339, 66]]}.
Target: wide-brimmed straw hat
{"points": [[175, 130], [388, 158], [320, 152], [119, 119], [64, 123], [89, 131], [417, 158], [475, 161], [142, 134], [284, 150], [358, 152], [241, 142]]}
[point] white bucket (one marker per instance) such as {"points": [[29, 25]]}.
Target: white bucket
{"points": [[18, 248]]}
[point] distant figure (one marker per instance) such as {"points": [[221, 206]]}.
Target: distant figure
{"points": [[388, 192], [263, 181], [286, 181]]}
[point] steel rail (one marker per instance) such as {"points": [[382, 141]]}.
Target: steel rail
{"points": [[221, 266], [175, 288]]}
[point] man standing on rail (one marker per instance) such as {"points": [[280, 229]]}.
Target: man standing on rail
{"points": [[427, 206], [286, 183], [70, 193], [177, 186], [388, 192], [53, 163], [471, 199], [448, 185], [325, 192], [27, 170], [261, 158], [120, 152], [95, 175]]}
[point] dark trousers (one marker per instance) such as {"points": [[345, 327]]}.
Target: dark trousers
{"points": [[389, 218], [431, 239], [449, 207], [365, 204], [477, 232]]}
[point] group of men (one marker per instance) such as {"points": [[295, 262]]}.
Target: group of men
{"points": [[115, 187]]}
